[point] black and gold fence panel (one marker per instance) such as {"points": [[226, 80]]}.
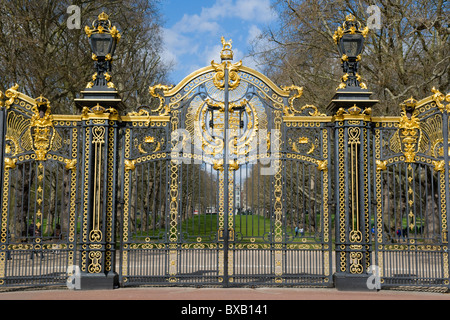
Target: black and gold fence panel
{"points": [[410, 186], [146, 183], [40, 192]]}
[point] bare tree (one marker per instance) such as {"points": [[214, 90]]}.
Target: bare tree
{"points": [[40, 53], [407, 56]]}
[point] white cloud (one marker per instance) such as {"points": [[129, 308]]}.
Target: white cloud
{"points": [[255, 10], [175, 45], [211, 53], [195, 23], [253, 33], [195, 39]]}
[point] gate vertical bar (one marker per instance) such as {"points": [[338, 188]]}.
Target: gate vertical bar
{"points": [[173, 203], [4, 234], [446, 128], [226, 178]]}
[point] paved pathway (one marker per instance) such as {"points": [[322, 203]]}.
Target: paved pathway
{"points": [[231, 294]]}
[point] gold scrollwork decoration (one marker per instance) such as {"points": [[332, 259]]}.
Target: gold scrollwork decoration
{"points": [[356, 262], [439, 97], [315, 112], [150, 140], [233, 165], [155, 94], [355, 236], [11, 94], [95, 266], [290, 110], [95, 236], [354, 136], [322, 165], [234, 78], [381, 165], [439, 166], [10, 163], [70, 164], [218, 165], [130, 165]]}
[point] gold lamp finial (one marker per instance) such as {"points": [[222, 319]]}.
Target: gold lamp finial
{"points": [[350, 18], [103, 16]]}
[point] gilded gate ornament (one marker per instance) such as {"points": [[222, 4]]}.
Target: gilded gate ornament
{"points": [[36, 133], [419, 134], [219, 77], [10, 163], [234, 78], [439, 98], [409, 130], [43, 133], [162, 108], [290, 110], [227, 52], [102, 25], [354, 136], [11, 94]]}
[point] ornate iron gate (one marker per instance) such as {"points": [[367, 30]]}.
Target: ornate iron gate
{"points": [[226, 182], [206, 196]]}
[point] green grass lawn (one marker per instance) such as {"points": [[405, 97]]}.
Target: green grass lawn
{"points": [[246, 227]]}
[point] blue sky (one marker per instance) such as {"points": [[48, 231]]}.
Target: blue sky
{"points": [[193, 29]]}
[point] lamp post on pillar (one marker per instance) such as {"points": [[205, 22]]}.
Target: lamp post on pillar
{"points": [[350, 42], [100, 105], [351, 109], [103, 39]]}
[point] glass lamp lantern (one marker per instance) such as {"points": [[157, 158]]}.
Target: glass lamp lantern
{"points": [[102, 45], [351, 45]]}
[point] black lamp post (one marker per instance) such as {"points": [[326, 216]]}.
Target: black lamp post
{"points": [[100, 106], [350, 42], [103, 39]]}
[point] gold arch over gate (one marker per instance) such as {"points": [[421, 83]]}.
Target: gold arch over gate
{"points": [[198, 73]]}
